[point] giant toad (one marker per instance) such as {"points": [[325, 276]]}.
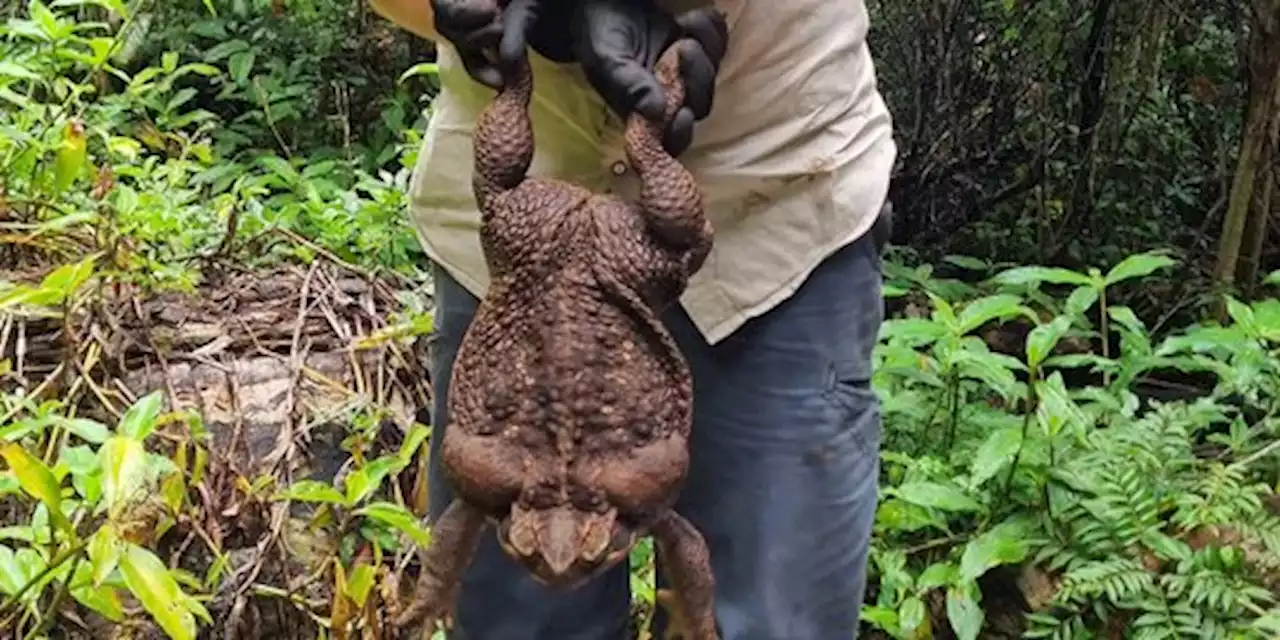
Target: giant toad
{"points": [[570, 403]]}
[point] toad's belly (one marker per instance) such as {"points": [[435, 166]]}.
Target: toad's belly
{"points": [[568, 367]]}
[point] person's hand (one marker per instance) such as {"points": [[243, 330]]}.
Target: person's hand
{"points": [[491, 36], [617, 42]]}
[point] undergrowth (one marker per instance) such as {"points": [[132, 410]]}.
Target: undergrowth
{"points": [[1057, 462], [1119, 511]]}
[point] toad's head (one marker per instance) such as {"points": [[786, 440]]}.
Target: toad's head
{"points": [[562, 543]]}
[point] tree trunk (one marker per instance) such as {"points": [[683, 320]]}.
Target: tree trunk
{"points": [[1263, 62], [1151, 49], [1256, 228], [1093, 101]]}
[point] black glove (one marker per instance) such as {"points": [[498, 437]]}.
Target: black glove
{"points": [[490, 33], [617, 42]]}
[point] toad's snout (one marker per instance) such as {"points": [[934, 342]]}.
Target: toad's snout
{"points": [[563, 545]]}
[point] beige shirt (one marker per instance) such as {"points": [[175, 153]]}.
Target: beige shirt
{"points": [[794, 160]]}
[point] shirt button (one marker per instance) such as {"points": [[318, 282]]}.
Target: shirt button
{"points": [[619, 168]]}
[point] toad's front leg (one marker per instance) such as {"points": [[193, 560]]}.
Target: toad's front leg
{"points": [[669, 195], [455, 538], [503, 141], [687, 563]]}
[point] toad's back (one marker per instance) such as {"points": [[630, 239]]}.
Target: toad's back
{"points": [[567, 351]]}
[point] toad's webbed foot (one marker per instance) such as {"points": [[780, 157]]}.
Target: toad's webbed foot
{"points": [[455, 538]]}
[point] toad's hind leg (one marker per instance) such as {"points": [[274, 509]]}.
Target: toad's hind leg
{"points": [[504, 139], [454, 540], [687, 562], [669, 195]]}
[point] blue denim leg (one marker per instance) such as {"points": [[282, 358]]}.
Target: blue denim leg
{"points": [[498, 599], [785, 455]]}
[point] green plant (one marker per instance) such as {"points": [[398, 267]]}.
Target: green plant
{"points": [[90, 539], [995, 459]]}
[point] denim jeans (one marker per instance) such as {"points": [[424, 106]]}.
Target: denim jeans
{"points": [[782, 482]]}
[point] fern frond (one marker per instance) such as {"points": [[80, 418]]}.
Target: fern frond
{"points": [[1122, 581]]}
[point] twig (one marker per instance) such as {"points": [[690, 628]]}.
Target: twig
{"points": [[332, 257], [98, 391], [933, 544], [1257, 455], [151, 341], [260, 557], [58, 596]]}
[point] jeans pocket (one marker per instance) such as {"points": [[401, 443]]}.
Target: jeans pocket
{"points": [[857, 407], [849, 385]]}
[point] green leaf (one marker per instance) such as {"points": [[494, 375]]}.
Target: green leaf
{"points": [[943, 312], [965, 615], [421, 69], [358, 485], [125, 470], [12, 576], [9, 483], [69, 161], [280, 167], [367, 479], [65, 281], [32, 564], [1137, 266], [1242, 314], [914, 332], [983, 310], [996, 451], [1269, 623], [1056, 409], [1272, 278], [360, 582], [41, 14], [1081, 300], [104, 553], [1266, 316], [139, 421], [1034, 275], [224, 49], [87, 430], [994, 369], [117, 6], [1042, 339], [893, 291], [911, 614], [150, 581], [20, 429], [398, 517], [1125, 317], [1166, 546], [881, 617], [312, 491], [1003, 544], [937, 496], [102, 599], [14, 70], [937, 575], [967, 262], [36, 478], [418, 433], [240, 64]]}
